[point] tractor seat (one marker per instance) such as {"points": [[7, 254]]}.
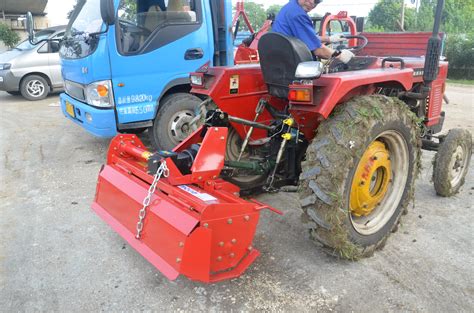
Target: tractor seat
{"points": [[279, 58]]}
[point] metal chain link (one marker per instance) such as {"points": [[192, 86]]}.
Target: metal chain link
{"points": [[162, 171]]}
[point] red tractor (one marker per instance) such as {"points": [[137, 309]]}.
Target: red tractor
{"points": [[348, 135]]}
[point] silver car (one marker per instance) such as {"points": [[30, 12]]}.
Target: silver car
{"points": [[33, 71]]}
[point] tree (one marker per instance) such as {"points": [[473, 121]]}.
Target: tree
{"points": [[8, 36], [386, 16], [256, 14], [274, 9], [457, 18]]}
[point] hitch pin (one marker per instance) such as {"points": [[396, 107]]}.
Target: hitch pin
{"points": [[265, 207]]}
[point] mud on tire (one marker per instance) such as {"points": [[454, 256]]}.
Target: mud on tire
{"points": [[451, 162], [338, 156]]}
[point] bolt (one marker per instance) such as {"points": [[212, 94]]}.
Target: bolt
{"points": [[388, 159], [221, 244], [247, 218], [234, 241], [362, 183], [216, 129], [133, 141], [181, 244], [206, 225], [374, 158], [133, 137], [121, 137], [222, 137], [250, 248], [229, 221], [178, 260], [200, 178], [365, 206], [232, 255], [214, 177], [115, 148], [219, 258], [209, 182]]}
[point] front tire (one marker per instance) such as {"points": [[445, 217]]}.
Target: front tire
{"points": [[359, 174], [172, 123], [34, 87], [451, 162]]}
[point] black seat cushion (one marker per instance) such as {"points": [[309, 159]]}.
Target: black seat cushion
{"points": [[279, 58]]}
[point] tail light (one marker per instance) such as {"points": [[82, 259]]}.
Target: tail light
{"points": [[301, 95]]}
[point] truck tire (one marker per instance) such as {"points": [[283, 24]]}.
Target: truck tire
{"points": [[451, 162], [171, 125], [359, 174], [34, 87]]}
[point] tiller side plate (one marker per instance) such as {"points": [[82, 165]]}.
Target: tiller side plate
{"points": [[195, 225]]}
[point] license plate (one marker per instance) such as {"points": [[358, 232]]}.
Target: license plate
{"points": [[70, 109]]}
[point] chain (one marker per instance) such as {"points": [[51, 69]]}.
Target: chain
{"points": [[162, 171]]}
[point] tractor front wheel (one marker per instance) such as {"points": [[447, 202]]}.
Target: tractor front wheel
{"points": [[359, 174], [452, 162]]}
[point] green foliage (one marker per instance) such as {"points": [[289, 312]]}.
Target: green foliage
{"points": [[460, 53], [386, 15], [274, 9], [8, 36], [257, 14]]}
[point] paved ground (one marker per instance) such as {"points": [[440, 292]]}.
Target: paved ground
{"points": [[56, 255]]}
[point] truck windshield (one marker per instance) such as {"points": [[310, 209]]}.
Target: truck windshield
{"points": [[85, 20]]}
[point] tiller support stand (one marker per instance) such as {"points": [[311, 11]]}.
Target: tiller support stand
{"points": [[195, 224]]}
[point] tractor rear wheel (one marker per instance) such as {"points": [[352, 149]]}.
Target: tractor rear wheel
{"points": [[451, 162], [359, 174]]}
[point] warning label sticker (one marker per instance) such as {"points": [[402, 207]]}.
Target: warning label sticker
{"points": [[200, 195]]}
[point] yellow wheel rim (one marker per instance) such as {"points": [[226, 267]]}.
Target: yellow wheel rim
{"points": [[371, 180]]}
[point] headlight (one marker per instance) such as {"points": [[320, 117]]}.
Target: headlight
{"points": [[197, 79], [100, 94], [309, 70], [5, 66]]}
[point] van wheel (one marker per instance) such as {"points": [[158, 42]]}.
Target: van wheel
{"points": [[34, 87], [172, 123]]}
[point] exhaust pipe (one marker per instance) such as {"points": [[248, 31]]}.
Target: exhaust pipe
{"points": [[433, 52]]}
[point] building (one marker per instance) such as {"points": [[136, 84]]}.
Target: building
{"points": [[12, 13]]}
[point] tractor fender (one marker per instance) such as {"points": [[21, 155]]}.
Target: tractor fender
{"points": [[340, 87]]}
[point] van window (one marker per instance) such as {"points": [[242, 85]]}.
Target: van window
{"points": [[139, 19]]}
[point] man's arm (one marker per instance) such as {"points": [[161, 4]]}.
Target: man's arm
{"points": [[323, 52]]}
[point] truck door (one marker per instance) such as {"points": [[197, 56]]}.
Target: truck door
{"points": [[158, 42]]}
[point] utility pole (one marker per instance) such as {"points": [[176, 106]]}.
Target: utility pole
{"points": [[402, 18]]}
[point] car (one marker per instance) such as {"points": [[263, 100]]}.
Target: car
{"points": [[34, 71]]}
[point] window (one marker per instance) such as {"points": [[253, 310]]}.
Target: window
{"points": [[138, 19]]}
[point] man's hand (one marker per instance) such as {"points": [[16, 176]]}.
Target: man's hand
{"points": [[335, 38], [345, 56]]}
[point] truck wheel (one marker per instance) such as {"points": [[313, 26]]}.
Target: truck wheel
{"points": [[171, 125], [34, 87], [451, 162], [359, 174]]}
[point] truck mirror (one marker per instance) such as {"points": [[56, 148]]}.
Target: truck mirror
{"points": [[107, 11], [30, 27]]}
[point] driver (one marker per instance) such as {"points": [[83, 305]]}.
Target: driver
{"points": [[293, 20]]}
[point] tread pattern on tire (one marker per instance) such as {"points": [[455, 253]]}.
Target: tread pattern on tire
{"points": [[338, 142], [441, 181]]}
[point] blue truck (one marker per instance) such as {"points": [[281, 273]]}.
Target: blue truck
{"points": [[126, 66]]}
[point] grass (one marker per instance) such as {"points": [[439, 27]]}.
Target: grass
{"points": [[460, 82]]}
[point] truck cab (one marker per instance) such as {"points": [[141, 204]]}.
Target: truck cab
{"points": [[125, 62]]}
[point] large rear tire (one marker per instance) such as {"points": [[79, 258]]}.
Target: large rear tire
{"points": [[451, 162], [359, 174], [172, 123]]}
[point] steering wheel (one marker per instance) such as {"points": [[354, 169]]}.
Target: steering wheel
{"points": [[135, 28], [364, 39]]}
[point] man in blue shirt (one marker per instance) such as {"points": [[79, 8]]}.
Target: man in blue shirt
{"points": [[293, 21]]}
